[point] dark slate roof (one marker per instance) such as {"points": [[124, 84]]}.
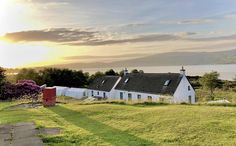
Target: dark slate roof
{"points": [[104, 83], [152, 83]]}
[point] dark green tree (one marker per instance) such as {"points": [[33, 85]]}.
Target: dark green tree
{"points": [[234, 82], [141, 71], [63, 77], [29, 74], [2, 79], [95, 75], [134, 71], [111, 72], [121, 73], [210, 81]]}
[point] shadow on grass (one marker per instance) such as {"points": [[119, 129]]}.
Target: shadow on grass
{"points": [[109, 134]]}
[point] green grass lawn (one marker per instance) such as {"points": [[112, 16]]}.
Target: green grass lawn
{"points": [[112, 124], [204, 95]]}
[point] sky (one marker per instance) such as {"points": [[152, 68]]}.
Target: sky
{"points": [[47, 32]]}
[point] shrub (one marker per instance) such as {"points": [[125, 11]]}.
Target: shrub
{"points": [[24, 88], [2, 79]]}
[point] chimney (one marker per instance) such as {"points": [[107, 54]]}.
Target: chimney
{"points": [[126, 71], [182, 71]]}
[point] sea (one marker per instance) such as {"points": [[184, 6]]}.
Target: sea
{"points": [[227, 71]]}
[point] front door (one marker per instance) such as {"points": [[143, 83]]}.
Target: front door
{"points": [[129, 96], [189, 99], [104, 94]]}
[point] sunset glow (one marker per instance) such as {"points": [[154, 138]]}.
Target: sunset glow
{"points": [[40, 32]]}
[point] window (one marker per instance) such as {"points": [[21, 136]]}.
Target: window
{"points": [[162, 99], [189, 88], [139, 97], [149, 98], [103, 82], [92, 93], [129, 96], [98, 93], [126, 80], [167, 82], [104, 94], [121, 95]]}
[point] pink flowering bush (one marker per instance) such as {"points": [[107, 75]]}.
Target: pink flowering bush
{"points": [[23, 88], [27, 81]]}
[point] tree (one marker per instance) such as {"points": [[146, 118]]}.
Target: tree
{"points": [[210, 81], [134, 71], [2, 76], [141, 71], [29, 74], [227, 85], [2, 79], [63, 77], [95, 75], [234, 82], [121, 73], [111, 72]]}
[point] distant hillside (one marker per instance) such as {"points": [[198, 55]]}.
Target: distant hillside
{"points": [[184, 58], [166, 59]]}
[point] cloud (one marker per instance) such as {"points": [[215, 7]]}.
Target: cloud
{"points": [[89, 37], [84, 37], [52, 35], [141, 38], [135, 55], [187, 21], [230, 16], [134, 25], [219, 38]]}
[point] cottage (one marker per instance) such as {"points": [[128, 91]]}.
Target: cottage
{"points": [[103, 87], [167, 87]]}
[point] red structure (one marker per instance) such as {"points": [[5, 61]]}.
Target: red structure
{"points": [[49, 96]]}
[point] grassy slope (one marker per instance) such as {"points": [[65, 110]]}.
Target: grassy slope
{"points": [[106, 124], [204, 95]]}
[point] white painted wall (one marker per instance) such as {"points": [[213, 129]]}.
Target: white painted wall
{"points": [[98, 93], [71, 92], [61, 91], [77, 93], [144, 96], [182, 93]]}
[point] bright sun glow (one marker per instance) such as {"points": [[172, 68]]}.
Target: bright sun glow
{"points": [[18, 55], [14, 16]]}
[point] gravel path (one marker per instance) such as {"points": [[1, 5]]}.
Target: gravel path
{"points": [[20, 134]]}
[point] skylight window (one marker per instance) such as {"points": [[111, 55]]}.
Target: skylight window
{"points": [[103, 81], [167, 82], [126, 80]]}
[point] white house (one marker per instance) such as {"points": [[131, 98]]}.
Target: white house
{"points": [[169, 87], [103, 87]]}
